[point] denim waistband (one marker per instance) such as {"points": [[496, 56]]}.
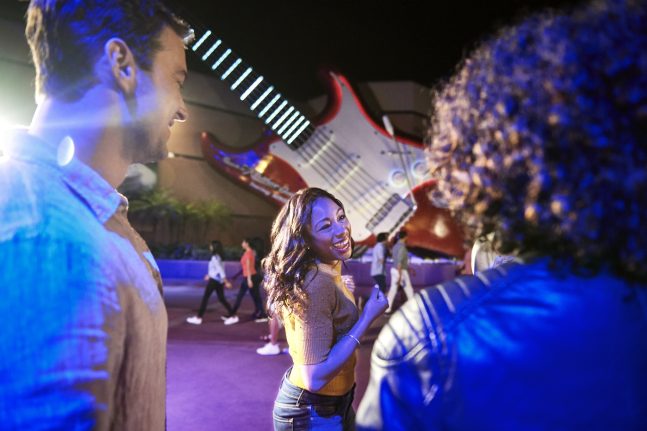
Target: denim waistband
{"points": [[303, 396]]}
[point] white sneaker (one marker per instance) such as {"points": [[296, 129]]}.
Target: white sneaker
{"points": [[269, 349], [231, 320], [194, 320]]}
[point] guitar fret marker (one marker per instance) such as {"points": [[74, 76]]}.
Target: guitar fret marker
{"points": [[294, 126], [263, 96], [287, 123], [231, 69], [269, 105], [283, 117], [211, 50], [242, 78], [298, 132], [221, 59], [275, 113], [251, 88], [201, 41]]}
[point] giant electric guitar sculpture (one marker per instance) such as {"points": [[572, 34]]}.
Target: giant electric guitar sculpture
{"points": [[382, 181]]}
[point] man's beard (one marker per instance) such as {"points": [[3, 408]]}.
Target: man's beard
{"points": [[141, 147]]}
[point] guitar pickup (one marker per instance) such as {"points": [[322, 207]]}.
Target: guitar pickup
{"points": [[393, 214]]}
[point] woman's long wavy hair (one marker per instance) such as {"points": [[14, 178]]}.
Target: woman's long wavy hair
{"points": [[541, 138], [290, 257]]}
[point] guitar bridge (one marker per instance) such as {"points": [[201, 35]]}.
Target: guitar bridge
{"points": [[393, 214]]}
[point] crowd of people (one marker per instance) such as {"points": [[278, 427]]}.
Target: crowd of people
{"points": [[538, 144]]}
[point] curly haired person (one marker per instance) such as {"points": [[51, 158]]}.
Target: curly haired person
{"points": [[540, 138]]}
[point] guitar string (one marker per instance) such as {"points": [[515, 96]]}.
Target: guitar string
{"points": [[361, 194], [369, 180], [375, 195], [333, 163], [326, 165]]}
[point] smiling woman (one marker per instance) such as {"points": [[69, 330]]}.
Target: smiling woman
{"points": [[311, 237]]}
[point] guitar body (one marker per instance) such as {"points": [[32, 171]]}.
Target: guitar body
{"points": [[382, 182]]}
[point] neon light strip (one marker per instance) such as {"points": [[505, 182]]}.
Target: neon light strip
{"points": [[306, 124], [269, 105], [279, 109], [287, 123], [283, 117], [211, 50], [294, 126], [231, 69], [242, 78], [201, 41], [263, 96], [221, 59], [251, 88]]}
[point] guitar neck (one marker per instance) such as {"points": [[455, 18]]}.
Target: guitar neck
{"points": [[259, 95]]}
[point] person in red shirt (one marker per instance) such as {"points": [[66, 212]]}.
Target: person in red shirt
{"points": [[252, 282]]}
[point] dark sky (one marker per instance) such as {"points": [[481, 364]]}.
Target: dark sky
{"points": [[289, 42]]}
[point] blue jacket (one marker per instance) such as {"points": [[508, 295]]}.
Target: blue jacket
{"points": [[520, 347]]}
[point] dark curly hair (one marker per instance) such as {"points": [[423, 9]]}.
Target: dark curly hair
{"points": [[66, 38], [290, 257], [541, 138]]}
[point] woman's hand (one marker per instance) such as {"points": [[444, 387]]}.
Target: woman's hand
{"points": [[375, 305], [349, 282], [206, 277]]}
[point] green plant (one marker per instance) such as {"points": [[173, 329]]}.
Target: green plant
{"points": [[188, 222]]}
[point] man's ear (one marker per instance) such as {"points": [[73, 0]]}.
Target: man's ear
{"points": [[122, 65]]}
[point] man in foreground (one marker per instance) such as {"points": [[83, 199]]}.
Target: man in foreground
{"points": [[83, 342]]}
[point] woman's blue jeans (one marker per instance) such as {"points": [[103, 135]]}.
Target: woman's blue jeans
{"points": [[298, 409]]}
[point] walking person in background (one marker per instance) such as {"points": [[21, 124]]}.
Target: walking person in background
{"points": [[216, 280], [400, 270], [378, 261], [251, 282], [311, 237]]}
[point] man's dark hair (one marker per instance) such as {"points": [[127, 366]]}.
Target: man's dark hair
{"points": [[402, 234], [382, 236], [541, 138], [66, 38]]}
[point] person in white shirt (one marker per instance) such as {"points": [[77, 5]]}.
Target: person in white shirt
{"points": [[378, 261], [216, 281]]}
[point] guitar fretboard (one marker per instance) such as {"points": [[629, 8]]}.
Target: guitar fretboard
{"points": [[260, 96]]}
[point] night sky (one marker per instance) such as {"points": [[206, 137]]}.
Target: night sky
{"points": [[290, 42]]}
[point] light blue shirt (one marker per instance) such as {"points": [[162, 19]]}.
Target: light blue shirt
{"points": [[83, 336]]}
